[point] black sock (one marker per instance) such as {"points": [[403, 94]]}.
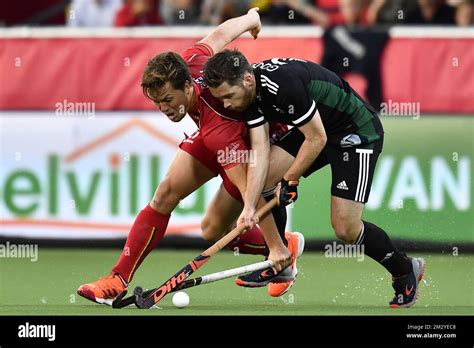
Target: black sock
{"points": [[378, 246], [279, 214]]}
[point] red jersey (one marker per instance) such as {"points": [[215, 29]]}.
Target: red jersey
{"points": [[223, 131], [222, 138]]}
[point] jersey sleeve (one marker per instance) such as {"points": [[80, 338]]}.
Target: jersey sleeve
{"points": [[254, 116], [293, 98], [196, 56]]}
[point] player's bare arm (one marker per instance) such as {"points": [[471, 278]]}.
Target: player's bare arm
{"points": [[279, 254], [256, 173], [315, 140], [232, 29]]}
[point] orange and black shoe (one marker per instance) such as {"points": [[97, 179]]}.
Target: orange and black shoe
{"points": [[104, 290], [407, 287], [261, 278], [286, 276], [296, 247]]}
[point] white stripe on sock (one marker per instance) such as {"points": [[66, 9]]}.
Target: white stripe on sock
{"points": [[360, 239]]}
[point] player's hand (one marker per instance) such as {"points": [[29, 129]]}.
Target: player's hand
{"points": [[287, 192], [256, 29], [248, 217], [281, 259]]}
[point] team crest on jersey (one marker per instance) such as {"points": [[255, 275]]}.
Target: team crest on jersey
{"points": [[199, 80], [229, 155]]}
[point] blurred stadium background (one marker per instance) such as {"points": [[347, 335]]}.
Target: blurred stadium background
{"points": [[82, 150]]}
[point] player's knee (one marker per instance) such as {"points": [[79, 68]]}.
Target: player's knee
{"points": [[272, 179], [206, 229], [345, 229], [165, 199], [210, 230]]}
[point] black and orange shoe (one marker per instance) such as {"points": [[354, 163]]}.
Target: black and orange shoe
{"points": [[258, 279], [285, 278], [296, 247], [407, 287], [104, 290]]}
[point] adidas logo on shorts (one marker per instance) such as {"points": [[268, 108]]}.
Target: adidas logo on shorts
{"points": [[342, 185]]}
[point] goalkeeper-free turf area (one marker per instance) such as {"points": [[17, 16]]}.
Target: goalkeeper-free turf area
{"points": [[325, 286]]}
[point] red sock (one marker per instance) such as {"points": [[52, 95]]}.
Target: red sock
{"points": [[250, 242], [147, 231]]}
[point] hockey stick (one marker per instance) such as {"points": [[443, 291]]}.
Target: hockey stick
{"points": [[209, 278], [214, 277], [147, 299]]}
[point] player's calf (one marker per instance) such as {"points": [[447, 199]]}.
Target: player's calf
{"points": [[217, 220]]}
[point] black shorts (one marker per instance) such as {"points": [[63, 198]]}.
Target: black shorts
{"points": [[352, 165]]}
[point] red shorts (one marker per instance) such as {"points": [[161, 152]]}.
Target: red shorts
{"points": [[194, 145]]}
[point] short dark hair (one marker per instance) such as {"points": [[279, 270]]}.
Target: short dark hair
{"points": [[227, 66], [164, 67]]}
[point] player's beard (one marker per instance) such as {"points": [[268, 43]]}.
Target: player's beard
{"points": [[246, 100]]}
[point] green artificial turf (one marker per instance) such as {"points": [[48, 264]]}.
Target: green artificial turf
{"points": [[325, 286]]}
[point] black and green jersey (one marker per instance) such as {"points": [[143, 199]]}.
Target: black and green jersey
{"points": [[291, 90]]}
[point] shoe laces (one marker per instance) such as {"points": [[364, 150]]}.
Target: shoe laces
{"points": [[105, 282], [106, 285]]}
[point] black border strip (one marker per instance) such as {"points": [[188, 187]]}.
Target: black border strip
{"points": [[290, 331]]}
